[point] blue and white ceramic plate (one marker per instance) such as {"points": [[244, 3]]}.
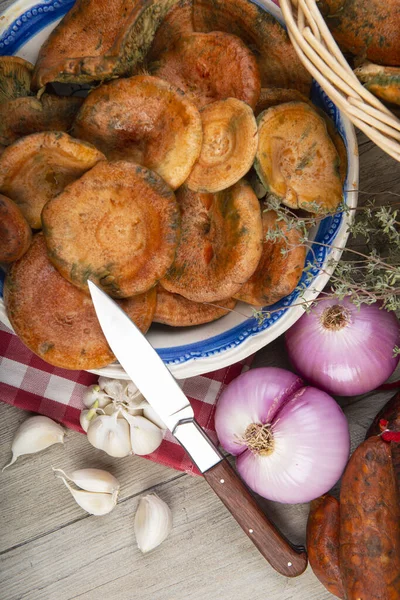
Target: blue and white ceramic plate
{"points": [[195, 350]]}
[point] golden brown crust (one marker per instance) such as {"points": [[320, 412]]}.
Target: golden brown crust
{"points": [[209, 67], [177, 311], [23, 116], [230, 142], [323, 543], [220, 246], [117, 225], [369, 553], [55, 319], [146, 120], [37, 167], [15, 233], [296, 159], [98, 40], [277, 274]]}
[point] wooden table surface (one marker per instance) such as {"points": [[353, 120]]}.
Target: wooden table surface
{"points": [[51, 550]]}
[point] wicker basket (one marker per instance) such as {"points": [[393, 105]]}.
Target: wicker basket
{"points": [[323, 59]]}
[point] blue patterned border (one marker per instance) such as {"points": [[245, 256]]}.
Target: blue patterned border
{"points": [[31, 22], [38, 17]]}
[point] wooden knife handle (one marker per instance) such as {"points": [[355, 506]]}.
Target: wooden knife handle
{"points": [[241, 504]]}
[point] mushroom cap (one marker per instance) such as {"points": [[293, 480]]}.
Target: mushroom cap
{"points": [[229, 146], [177, 311], [24, 116], [118, 225], [220, 246], [296, 158], [55, 319], [209, 67], [37, 167], [384, 82], [146, 120], [15, 233], [15, 78], [278, 272]]}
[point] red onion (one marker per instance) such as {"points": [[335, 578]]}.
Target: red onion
{"points": [[291, 442], [344, 349]]}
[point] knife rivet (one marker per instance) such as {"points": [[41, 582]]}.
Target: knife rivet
{"points": [[289, 564], [251, 530], [222, 480]]}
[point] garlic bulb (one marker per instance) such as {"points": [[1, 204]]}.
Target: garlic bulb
{"points": [[95, 394], [153, 522], [111, 434], [145, 436], [97, 491], [35, 434]]}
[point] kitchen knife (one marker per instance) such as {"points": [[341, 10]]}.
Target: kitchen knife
{"points": [[152, 377]]}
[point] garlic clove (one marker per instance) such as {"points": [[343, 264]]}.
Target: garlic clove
{"points": [[113, 387], [153, 522], [111, 434], [145, 436], [87, 416], [91, 480], [95, 503], [33, 435], [95, 394], [150, 414]]}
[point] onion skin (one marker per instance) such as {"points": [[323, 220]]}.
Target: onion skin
{"points": [[310, 436], [353, 360], [258, 397]]}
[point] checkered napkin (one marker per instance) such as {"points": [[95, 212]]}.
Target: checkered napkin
{"points": [[30, 383]]}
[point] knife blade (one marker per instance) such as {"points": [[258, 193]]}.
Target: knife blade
{"points": [[153, 378]]}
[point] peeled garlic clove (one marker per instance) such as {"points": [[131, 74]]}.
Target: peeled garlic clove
{"points": [[94, 503], [35, 434], [111, 434], [91, 480], [153, 416], [153, 522], [145, 436], [94, 393]]}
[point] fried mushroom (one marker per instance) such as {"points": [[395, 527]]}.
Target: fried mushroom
{"points": [[297, 160], [177, 311], [209, 67], [229, 146], [146, 120], [15, 233], [39, 166], [280, 266], [117, 225], [220, 246]]}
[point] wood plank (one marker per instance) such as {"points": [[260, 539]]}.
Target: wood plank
{"points": [[33, 501], [205, 556]]}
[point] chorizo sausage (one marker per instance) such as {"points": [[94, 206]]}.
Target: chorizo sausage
{"points": [[323, 543], [369, 552]]}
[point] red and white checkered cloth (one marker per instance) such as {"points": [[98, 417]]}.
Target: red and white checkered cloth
{"points": [[30, 383]]}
